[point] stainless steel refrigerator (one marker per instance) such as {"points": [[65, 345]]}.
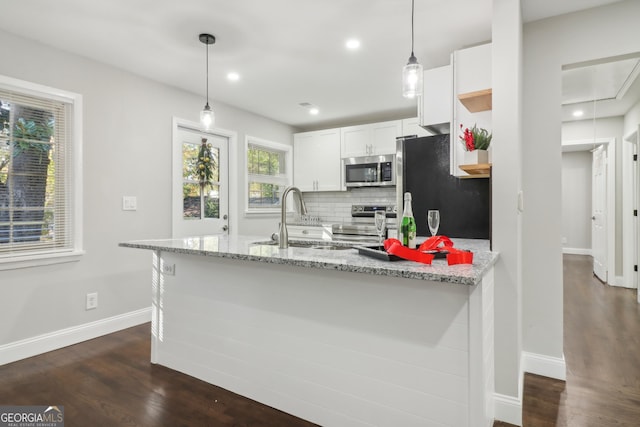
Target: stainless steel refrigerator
{"points": [[422, 168]]}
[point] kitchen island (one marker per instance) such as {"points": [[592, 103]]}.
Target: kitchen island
{"points": [[328, 335]]}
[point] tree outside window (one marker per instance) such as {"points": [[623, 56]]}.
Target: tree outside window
{"points": [[199, 201], [267, 174], [27, 174]]}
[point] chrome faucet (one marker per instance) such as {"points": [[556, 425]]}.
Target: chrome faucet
{"points": [[283, 234]]}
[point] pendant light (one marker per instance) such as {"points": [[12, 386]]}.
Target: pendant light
{"points": [[207, 117], [412, 72]]}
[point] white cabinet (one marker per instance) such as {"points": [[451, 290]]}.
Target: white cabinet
{"points": [[435, 106], [371, 139], [471, 81], [316, 160], [440, 109], [411, 127]]}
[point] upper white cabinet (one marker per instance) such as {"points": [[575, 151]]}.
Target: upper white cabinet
{"points": [[316, 160], [458, 94], [371, 139], [435, 107], [412, 127], [472, 100]]}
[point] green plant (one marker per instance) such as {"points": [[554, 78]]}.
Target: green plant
{"points": [[29, 134], [475, 138], [205, 164]]}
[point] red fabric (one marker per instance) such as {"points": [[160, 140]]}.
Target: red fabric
{"points": [[394, 247], [434, 243], [460, 257]]}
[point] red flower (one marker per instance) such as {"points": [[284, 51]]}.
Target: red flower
{"points": [[474, 138], [467, 139]]}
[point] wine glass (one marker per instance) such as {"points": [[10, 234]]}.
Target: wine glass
{"points": [[380, 218], [433, 219]]}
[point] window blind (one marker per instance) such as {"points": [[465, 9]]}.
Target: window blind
{"points": [[36, 174]]}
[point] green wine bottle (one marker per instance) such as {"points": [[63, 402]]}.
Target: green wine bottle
{"points": [[408, 224]]}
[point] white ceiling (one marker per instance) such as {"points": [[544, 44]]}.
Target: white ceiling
{"points": [[606, 88], [287, 52]]}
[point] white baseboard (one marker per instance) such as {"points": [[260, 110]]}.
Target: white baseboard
{"points": [[547, 366], [577, 251], [508, 409], [620, 282], [58, 339]]}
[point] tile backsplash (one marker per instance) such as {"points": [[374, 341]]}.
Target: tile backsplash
{"points": [[335, 206]]}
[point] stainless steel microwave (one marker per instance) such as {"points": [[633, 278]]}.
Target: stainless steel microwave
{"points": [[369, 171]]}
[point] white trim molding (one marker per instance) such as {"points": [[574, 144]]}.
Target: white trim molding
{"points": [[621, 281], [577, 251], [508, 409], [547, 366], [29, 347]]}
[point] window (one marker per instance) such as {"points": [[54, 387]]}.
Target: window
{"points": [[268, 174], [38, 199], [200, 201]]}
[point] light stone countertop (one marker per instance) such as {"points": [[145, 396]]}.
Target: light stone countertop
{"points": [[245, 248]]}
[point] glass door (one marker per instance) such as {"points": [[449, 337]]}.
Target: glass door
{"points": [[200, 183]]}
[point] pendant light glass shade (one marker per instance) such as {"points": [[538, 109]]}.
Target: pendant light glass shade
{"points": [[412, 78], [207, 116], [412, 72]]}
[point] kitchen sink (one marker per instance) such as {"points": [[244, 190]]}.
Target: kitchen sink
{"points": [[316, 244]]}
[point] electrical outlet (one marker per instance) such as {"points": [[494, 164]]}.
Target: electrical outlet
{"points": [[168, 269], [92, 301], [564, 240]]}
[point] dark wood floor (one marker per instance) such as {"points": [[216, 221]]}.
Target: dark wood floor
{"points": [[602, 353], [110, 382]]}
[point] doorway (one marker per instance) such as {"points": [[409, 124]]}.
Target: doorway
{"points": [[631, 196], [197, 208], [598, 182], [598, 98]]}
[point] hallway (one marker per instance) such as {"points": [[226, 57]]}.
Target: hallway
{"points": [[602, 353]]}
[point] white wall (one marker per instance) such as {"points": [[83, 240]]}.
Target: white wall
{"points": [[576, 200], [608, 127], [632, 119], [548, 44], [507, 69], [127, 151]]}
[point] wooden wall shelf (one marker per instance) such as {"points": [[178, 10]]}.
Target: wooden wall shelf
{"points": [[477, 101], [480, 170]]}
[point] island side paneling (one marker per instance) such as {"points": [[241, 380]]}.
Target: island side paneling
{"points": [[336, 348]]}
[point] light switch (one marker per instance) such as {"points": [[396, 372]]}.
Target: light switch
{"points": [[129, 203]]}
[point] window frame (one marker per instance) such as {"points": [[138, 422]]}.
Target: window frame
{"points": [[47, 256], [287, 151]]}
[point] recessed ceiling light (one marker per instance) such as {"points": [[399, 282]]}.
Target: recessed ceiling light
{"points": [[352, 44], [578, 113], [313, 111], [233, 76]]}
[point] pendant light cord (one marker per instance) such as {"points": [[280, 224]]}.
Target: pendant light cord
{"points": [[207, 69], [412, 9]]}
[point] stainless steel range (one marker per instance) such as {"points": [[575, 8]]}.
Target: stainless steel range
{"points": [[361, 228]]}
